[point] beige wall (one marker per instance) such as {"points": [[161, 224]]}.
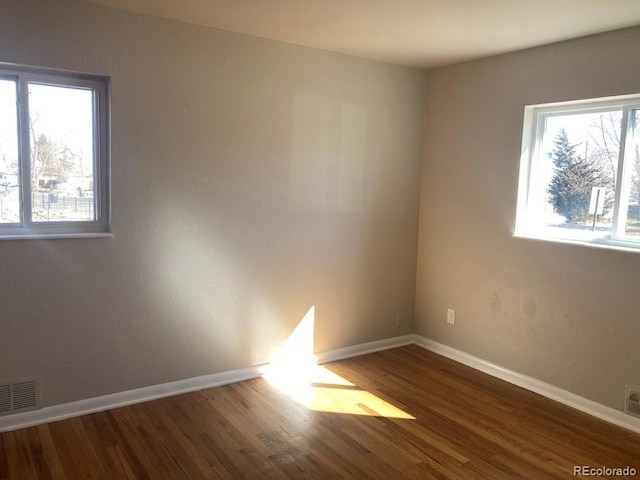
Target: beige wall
{"points": [[567, 315], [251, 180]]}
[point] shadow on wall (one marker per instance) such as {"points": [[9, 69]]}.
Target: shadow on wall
{"points": [[236, 275]]}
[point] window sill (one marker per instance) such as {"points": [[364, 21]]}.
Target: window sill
{"points": [[55, 236], [602, 243]]}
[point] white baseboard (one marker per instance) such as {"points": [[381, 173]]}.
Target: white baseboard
{"points": [[585, 405], [364, 348], [121, 399], [139, 395]]}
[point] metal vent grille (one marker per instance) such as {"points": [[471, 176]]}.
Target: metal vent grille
{"points": [[25, 395], [632, 400], [19, 396], [5, 398]]}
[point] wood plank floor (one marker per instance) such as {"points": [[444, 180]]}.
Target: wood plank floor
{"points": [[467, 425]]}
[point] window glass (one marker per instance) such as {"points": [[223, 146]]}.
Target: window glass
{"points": [[580, 173], [573, 191], [9, 174], [630, 190], [62, 151], [54, 154]]}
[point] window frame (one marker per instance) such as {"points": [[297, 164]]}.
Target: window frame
{"points": [[99, 86], [532, 137]]}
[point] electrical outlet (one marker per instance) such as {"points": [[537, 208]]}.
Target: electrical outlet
{"points": [[632, 400], [451, 316], [399, 320]]}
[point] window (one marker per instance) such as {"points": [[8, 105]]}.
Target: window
{"points": [[580, 173], [54, 169]]}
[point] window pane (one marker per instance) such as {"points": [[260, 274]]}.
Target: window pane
{"points": [[9, 191], [573, 192], [62, 152], [630, 194]]}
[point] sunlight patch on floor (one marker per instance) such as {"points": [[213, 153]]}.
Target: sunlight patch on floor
{"points": [[295, 373]]}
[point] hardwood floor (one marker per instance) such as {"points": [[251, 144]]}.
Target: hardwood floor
{"points": [[466, 425]]}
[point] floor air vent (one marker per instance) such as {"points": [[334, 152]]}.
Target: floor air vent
{"points": [[19, 396], [632, 400]]}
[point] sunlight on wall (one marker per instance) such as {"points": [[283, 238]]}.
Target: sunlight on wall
{"points": [[295, 373], [295, 359]]}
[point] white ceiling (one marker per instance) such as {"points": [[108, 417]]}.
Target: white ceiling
{"points": [[425, 33]]}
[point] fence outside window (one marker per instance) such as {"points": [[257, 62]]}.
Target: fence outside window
{"points": [[48, 207]]}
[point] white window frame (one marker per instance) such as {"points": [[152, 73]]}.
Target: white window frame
{"points": [[99, 86], [532, 135]]}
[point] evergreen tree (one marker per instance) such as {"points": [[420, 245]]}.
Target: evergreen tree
{"points": [[572, 181]]}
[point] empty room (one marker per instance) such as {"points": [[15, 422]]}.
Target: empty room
{"points": [[304, 239]]}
